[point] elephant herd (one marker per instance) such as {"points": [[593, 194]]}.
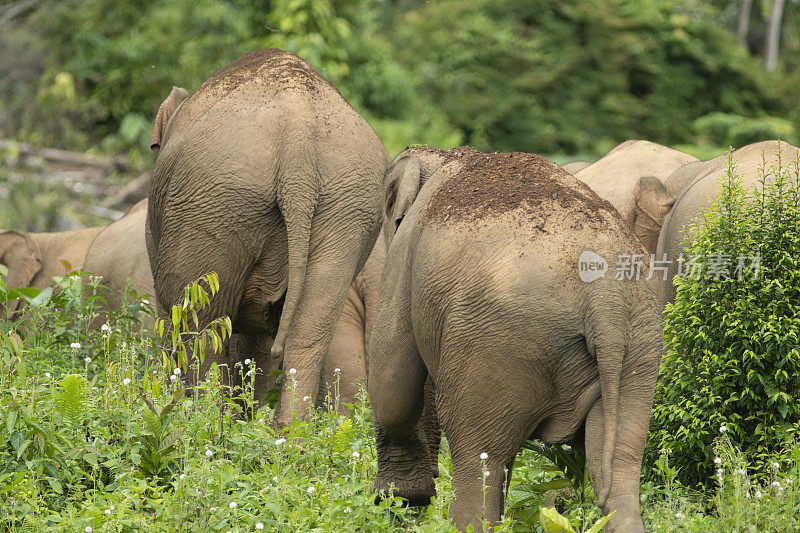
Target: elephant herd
{"points": [[448, 278]]}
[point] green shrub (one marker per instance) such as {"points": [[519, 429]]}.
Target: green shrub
{"points": [[732, 356]]}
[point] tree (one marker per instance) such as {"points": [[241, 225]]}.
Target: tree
{"points": [[773, 34]]}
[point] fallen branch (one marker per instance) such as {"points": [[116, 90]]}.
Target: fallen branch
{"points": [[64, 157]]}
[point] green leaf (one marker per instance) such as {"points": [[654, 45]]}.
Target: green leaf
{"points": [[553, 522]]}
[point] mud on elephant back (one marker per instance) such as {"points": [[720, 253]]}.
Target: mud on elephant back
{"points": [[481, 293], [267, 176]]}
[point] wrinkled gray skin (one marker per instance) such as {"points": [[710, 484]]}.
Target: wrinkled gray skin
{"points": [[267, 176], [119, 256], [704, 185], [631, 177], [33, 259], [484, 297], [575, 166]]}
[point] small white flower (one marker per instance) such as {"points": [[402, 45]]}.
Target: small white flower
{"points": [[177, 371], [485, 473], [679, 515], [292, 371], [173, 377], [717, 460], [758, 494], [112, 507], [720, 472], [182, 477], [260, 420], [484, 456], [247, 362], [145, 302], [356, 455], [279, 441], [275, 479], [310, 490], [212, 510], [347, 510], [126, 381], [723, 428], [209, 453], [47, 375], [104, 327], [337, 370], [88, 529], [232, 505], [776, 466], [776, 484], [87, 359], [259, 526], [75, 346], [306, 398], [107, 512]]}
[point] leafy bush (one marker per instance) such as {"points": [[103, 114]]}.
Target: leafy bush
{"points": [[733, 356]]}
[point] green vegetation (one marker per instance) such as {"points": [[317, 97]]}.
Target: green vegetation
{"points": [[98, 433], [733, 359], [541, 76]]}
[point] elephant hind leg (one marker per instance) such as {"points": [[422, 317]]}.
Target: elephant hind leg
{"points": [[396, 386]]}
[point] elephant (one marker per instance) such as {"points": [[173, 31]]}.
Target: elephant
{"points": [[119, 256], [631, 176], [574, 166], [704, 185], [33, 259], [267, 176], [481, 293]]}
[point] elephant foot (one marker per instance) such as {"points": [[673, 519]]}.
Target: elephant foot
{"points": [[415, 494]]}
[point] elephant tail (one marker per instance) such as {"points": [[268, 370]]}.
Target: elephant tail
{"points": [[297, 213], [607, 339]]}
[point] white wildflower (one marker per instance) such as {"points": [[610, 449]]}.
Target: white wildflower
{"points": [[356, 455], [232, 505], [275, 479], [717, 460], [182, 477], [47, 375], [126, 381], [723, 428], [776, 484], [259, 526], [337, 370], [88, 529], [247, 362], [104, 327], [758, 494], [347, 510], [485, 473], [177, 371], [75, 346], [279, 441], [292, 371], [484, 456], [776, 466], [107, 512], [173, 377], [87, 359], [209, 453], [306, 398], [212, 510], [311, 490], [145, 302]]}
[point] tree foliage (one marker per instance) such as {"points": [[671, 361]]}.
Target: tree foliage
{"points": [[535, 75], [733, 350]]}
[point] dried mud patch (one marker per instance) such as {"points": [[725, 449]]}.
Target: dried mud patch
{"points": [[488, 185]]}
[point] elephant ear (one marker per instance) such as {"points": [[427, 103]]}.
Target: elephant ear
{"points": [[176, 96], [21, 256], [402, 183], [652, 205]]}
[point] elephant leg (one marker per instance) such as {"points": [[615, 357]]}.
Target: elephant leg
{"points": [[346, 353], [331, 268], [396, 386], [482, 410], [430, 425], [627, 464]]}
